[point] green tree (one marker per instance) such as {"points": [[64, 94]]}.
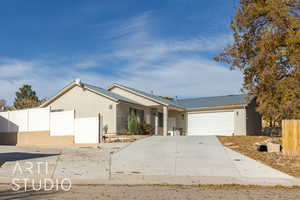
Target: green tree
{"points": [[26, 98], [266, 48]]}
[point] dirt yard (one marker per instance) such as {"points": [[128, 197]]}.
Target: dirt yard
{"points": [[246, 145], [147, 192], [124, 138]]}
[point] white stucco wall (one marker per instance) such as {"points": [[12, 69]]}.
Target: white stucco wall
{"points": [[88, 104], [137, 98]]}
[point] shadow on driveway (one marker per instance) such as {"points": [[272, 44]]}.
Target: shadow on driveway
{"points": [[22, 194], [15, 156]]}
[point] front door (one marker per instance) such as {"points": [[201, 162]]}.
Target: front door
{"points": [[171, 125]]}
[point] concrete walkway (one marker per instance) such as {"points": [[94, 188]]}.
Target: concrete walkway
{"points": [[193, 156]]}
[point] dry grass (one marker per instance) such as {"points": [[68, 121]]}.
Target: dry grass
{"points": [[246, 145]]}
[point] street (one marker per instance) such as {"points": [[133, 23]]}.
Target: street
{"points": [[207, 192]]}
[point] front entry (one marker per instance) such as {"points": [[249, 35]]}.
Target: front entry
{"points": [[171, 125]]}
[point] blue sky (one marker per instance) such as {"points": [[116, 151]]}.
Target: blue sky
{"points": [[165, 46]]}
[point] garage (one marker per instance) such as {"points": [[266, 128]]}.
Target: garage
{"points": [[211, 123]]}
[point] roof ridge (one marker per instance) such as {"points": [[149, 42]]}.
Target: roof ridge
{"points": [[106, 92], [149, 95], [159, 96], [95, 86]]}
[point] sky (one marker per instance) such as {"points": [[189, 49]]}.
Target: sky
{"points": [[164, 46]]}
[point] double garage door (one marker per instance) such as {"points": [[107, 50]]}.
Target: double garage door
{"points": [[212, 123]]}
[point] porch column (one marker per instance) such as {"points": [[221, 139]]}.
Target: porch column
{"points": [[165, 116], [156, 123]]}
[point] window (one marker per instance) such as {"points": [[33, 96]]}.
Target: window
{"points": [[160, 120], [138, 113]]}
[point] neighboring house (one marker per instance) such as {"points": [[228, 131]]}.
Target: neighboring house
{"points": [[223, 115]]}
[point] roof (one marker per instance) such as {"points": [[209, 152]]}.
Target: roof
{"points": [[150, 96], [108, 93], [204, 102], [98, 90], [189, 104]]}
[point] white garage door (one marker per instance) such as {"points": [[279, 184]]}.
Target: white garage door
{"points": [[216, 123]]}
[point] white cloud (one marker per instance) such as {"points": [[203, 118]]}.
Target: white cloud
{"points": [[187, 77], [172, 67]]}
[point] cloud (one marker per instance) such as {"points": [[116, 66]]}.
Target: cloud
{"points": [[45, 77], [186, 77], [120, 28], [167, 66]]}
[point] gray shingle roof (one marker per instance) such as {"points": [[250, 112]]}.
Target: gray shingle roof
{"points": [[202, 102], [108, 93], [152, 96]]}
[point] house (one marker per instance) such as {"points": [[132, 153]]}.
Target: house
{"points": [[222, 115]]}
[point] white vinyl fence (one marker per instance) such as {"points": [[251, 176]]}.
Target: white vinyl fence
{"points": [[36, 119], [62, 123], [86, 130]]}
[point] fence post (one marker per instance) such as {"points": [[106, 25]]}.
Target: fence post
{"points": [[28, 120], [49, 121], [99, 128], [8, 128]]}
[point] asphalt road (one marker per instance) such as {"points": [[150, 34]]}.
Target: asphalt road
{"points": [[157, 193]]}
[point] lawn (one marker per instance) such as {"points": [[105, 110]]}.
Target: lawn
{"points": [[246, 145]]}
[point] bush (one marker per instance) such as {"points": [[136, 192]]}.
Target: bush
{"points": [[147, 128], [133, 125]]}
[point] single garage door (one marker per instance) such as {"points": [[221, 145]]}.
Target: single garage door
{"points": [[213, 123]]}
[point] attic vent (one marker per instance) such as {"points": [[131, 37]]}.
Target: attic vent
{"points": [[110, 107]]}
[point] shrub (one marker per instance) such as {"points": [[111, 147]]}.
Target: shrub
{"points": [[146, 128], [133, 125]]}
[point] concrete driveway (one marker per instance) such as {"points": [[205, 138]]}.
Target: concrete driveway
{"points": [[154, 160], [191, 156]]}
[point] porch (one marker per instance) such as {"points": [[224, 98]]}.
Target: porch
{"points": [[169, 121]]}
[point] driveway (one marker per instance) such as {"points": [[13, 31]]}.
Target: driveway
{"points": [[154, 160], [190, 156]]}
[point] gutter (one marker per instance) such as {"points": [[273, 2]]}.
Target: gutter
{"points": [[217, 107]]}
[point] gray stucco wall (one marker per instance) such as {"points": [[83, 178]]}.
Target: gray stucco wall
{"points": [[240, 122]]}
